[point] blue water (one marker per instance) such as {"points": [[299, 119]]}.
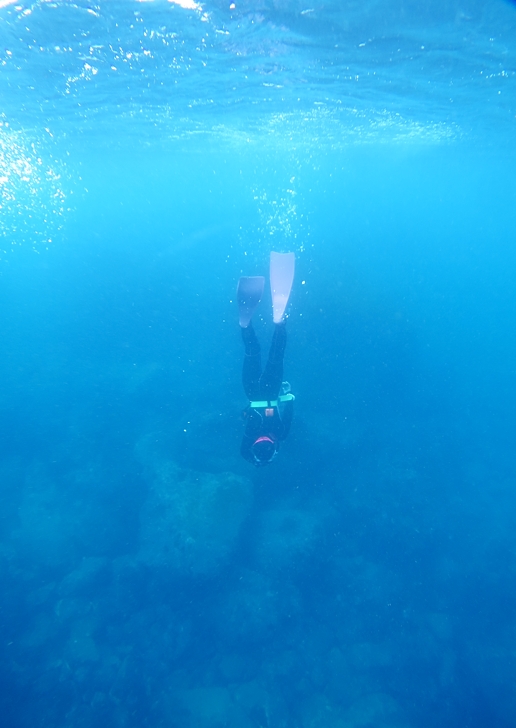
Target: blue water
{"points": [[150, 154]]}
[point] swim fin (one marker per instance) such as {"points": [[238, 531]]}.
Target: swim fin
{"points": [[249, 295], [282, 277]]}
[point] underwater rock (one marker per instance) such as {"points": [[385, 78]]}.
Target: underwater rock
{"points": [[244, 705], [41, 630], [255, 609], [81, 646], [44, 532], [207, 441], [341, 679], [92, 576], [63, 518], [374, 709], [377, 709], [233, 667], [318, 712], [491, 660], [191, 520], [210, 706], [287, 536]]}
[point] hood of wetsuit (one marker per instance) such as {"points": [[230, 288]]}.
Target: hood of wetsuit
{"points": [[264, 450]]}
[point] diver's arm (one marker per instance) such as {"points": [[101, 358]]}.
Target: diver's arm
{"points": [[251, 432], [245, 449], [286, 419]]}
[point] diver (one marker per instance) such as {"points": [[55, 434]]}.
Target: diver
{"points": [[271, 405]]}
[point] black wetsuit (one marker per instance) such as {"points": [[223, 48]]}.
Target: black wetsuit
{"points": [[264, 386]]}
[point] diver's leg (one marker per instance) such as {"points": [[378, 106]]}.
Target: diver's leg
{"points": [[252, 368], [272, 377]]}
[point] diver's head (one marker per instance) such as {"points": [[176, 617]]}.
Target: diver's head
{"points": [[264, 450]]}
